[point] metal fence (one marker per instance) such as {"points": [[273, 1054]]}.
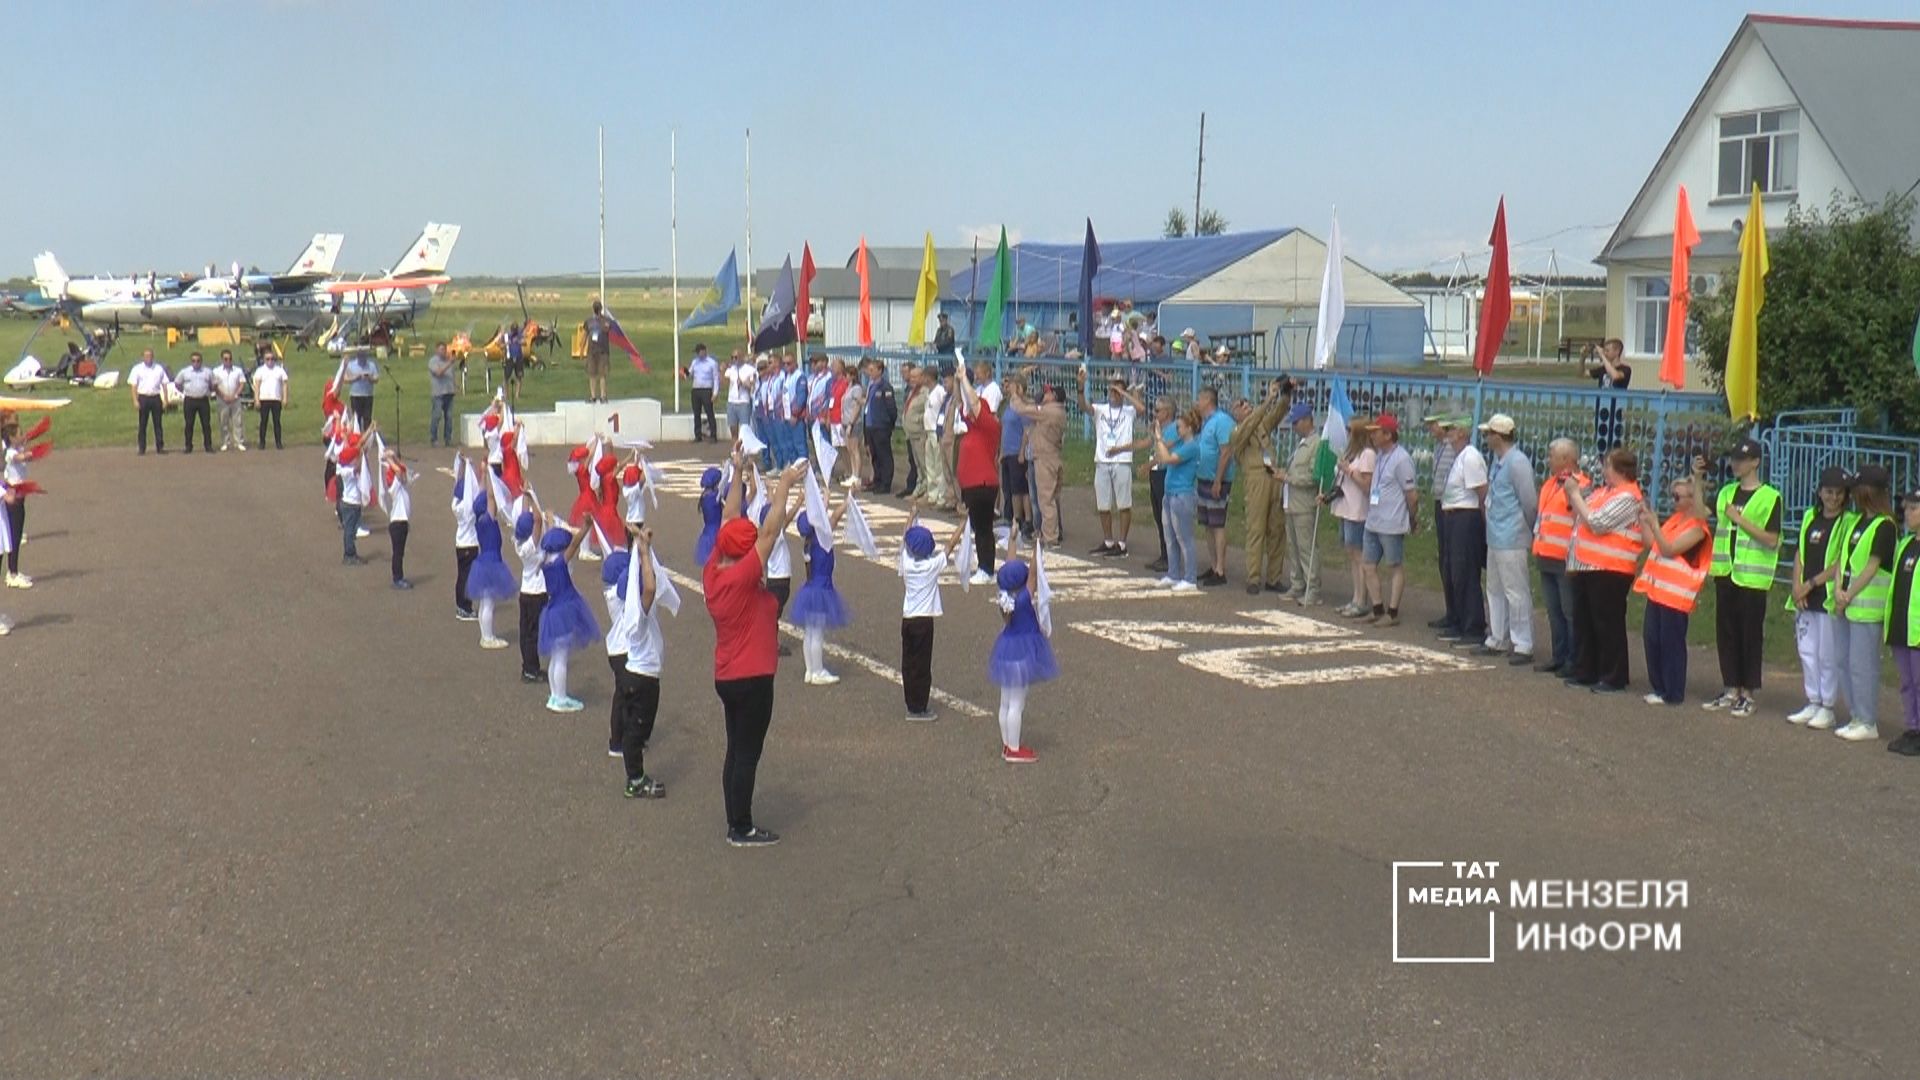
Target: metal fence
{"points": [[1803, 442], [1667, 430]]}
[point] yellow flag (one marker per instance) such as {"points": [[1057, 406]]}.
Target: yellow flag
{"points": [[924, 297], [1743, 376]]}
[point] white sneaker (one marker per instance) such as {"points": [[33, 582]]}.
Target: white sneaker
{"points": [[589, 555], [361, 534], [6, 626], [19, 581], [1165, 583], [243, 448], [1805, 714], [493, 643], [824, 678], [1185, 586], [1654, 699], [980, 577], [1859, 732], [1822, 719]]}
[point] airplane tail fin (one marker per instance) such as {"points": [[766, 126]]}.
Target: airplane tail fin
{"points": [[429, 254], [320, 255], [48, 275]]}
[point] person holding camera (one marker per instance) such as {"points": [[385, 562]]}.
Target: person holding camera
{"points": [[1602, 563], [1609, 370]]}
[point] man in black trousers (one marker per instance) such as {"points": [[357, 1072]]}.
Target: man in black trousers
{"points": [[882, 415]]}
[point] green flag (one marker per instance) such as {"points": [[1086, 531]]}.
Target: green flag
{"points": [[992, 335]]}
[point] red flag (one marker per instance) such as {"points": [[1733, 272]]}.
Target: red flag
{"points": [[1496, 303], [866, 296], [45, 425], [800, 305], [1673, 360]]}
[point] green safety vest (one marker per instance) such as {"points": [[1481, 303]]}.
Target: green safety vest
{"points": [[1735, 553], [1870, 603], [1913, 603], [1842, 525]]}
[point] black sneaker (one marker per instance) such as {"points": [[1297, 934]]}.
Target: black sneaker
{"points": [[1119, 551], [1908, 743], [614, 749], [1440, 623], [533, 676], [922, 716], [648, 788], [1105, 548], [786, 650], [1211, 579], [1521, 659], [355, 560], [752, 837], [1481, 650], [466, 615], [402, 584], [1158, 566]]}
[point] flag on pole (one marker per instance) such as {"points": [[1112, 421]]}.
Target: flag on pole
{"points": [[1089, 266], [1673, 359], [1496, 301], [1333, 300], [925, 296], [1743, 346], [1333, 436], [992, 331], [776, 322], [719, 300], [860, 266], [802, 307]]}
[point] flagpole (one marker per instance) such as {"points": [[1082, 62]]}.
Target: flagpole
{"points": [[673, 246], [802, 351], [601, 139]]}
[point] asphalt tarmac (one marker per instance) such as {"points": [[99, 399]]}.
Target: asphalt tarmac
{"points": [[264, 815]]}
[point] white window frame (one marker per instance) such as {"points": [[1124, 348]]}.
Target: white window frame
{"points": [[1641, 307], [1781, 141]]}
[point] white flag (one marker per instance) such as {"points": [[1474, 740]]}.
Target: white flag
{"points": [[817, 515], [1042, 592], [655, 477], [1333, 301], [859, 533], [664, 594], [824, 454], [750, 439], [966, 564], [760, 499], [380, 473]]}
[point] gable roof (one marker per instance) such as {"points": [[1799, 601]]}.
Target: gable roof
{"points": [[947, 260], [1143, 271], [1855, 83]]}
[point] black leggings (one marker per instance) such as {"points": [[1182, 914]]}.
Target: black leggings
{"points": [[916, 661], [749, 708], [531, 605], [1600, 620], [636, 701], [17, 530], [1157, 493], [980, 508], [462, 563], [397, 535]]}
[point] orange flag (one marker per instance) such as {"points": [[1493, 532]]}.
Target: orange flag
{"points": [[1673, 361], [866, 296]]}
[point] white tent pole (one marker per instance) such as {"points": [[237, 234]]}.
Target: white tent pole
{"points": [[673, 247], [601, 139]]}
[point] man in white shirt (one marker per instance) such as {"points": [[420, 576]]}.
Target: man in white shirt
{"points": [[269, 394], [229, 379], [1113, 423], [934, 467], [196, 399], [742, 378], [704, 374], [1463, 527], [149, 382]]}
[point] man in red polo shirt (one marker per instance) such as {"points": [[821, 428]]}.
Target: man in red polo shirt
{"points": [[746, 646]]}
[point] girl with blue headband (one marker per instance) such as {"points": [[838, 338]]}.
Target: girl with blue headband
{"points": [[566, 623], [817, 607], [489, 581], [1022, 656]]}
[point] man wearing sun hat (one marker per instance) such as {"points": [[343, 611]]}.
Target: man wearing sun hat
{"points": [[1512, 503]]}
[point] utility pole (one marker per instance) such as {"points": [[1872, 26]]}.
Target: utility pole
{"points": [[1199, 168]]}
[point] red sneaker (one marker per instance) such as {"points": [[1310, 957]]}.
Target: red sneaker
{"points": [[1020, 756]]}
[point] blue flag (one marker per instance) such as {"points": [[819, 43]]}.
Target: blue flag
{"points": [[1089, 266], [776, 323], [719, 300]]}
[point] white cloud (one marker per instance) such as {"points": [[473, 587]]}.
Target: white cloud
{"points": [[988, 236]]}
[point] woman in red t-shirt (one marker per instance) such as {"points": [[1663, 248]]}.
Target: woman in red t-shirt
{"points": [[978, 471], [746, 647]]}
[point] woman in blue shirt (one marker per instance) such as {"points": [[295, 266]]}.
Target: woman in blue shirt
{"points": [[1182, 500]]}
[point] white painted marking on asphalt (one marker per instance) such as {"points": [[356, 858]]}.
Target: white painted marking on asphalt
{"points": [[841, 652], [1243, 664]]}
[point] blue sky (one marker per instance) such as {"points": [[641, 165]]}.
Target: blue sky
{"points": [[172, 135]]}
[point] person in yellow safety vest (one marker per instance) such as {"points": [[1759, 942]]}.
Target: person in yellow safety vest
{"points": [[1903, 628], [1678, 553], [1816, 562], [1866, 581], [1746, 552], [1602, 561], [1552, 536]]}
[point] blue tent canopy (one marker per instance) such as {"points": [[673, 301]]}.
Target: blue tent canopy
{"points": [[1142, 271]]}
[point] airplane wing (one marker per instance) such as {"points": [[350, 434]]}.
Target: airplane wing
{"points": [[336, 288], [27, 404]]}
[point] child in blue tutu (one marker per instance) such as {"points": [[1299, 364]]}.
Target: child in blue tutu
{"points": [[489, 581], [566, 623], [818, 607], [1022, 655], [710, 504]]}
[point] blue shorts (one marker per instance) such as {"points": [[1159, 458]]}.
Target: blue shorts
{"points": [[1352, 533], [1384, 549]]}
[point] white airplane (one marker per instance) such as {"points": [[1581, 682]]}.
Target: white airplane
{"points": [[54, 283], [313, 265], [285, 303]]}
